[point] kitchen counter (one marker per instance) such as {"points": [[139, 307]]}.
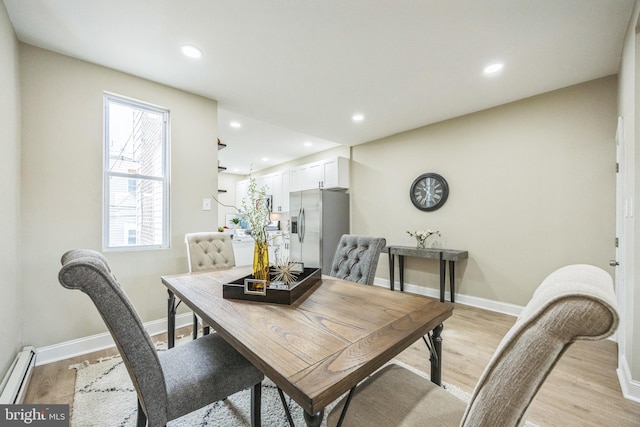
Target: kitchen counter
{"points": [[243, 249]]}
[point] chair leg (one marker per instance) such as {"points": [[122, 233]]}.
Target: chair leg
{"points": [[142, 417], [195, 326], [256, 412]]}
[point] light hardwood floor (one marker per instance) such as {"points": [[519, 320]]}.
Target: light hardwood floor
{"points": [[583, 389]]}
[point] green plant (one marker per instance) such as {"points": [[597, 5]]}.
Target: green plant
{"points": [[255, 207]]}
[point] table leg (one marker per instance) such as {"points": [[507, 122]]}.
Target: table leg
{"points": [[171, 319], [392, 278], [436, 362], [452, 275], [401, 268], [313, 420], [443, 274]]}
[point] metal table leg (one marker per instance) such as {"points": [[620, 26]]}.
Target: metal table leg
{"points": [[436, 360], [433, 340], [443, 274], [401, 268], [452, 286], [391, 271], [171, 319]]}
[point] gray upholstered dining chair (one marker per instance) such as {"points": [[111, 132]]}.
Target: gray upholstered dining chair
{"points": [[171, 383], [576, 302], [356, 258], [208, 251]]}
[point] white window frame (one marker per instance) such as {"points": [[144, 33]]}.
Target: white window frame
{"points": [[107, 174]]}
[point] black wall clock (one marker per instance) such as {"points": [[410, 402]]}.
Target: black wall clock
{"points": [[429, 191]]}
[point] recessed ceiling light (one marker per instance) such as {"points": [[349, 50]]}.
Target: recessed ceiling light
{"points": [[493, 68], [235, 124], [308, 144], [265, 159], [358, 117], [236, 169], [191, 51]]}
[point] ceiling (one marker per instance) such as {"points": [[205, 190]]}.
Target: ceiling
{"points": [[295, 71]]}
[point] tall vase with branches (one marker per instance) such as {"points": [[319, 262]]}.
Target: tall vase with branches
{"points": [[254, 205]]}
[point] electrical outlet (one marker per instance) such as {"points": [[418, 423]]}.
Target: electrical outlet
{"points": [[206, 204]]}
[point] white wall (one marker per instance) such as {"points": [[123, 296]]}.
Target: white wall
{"points": [[62, 101], [532, 188], [227, 201], [10, 289]]}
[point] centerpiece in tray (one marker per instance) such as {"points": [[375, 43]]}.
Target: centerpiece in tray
{"points": [[287, 282], [257, 209], [282, 283]]}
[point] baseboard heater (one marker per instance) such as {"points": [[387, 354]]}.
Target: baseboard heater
{"points": [[15, 382]]}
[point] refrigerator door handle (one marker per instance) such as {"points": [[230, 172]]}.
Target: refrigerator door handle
{"points": [[302, 226]]}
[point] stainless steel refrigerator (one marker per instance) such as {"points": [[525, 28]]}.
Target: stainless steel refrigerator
{"points": [[318, 219]]}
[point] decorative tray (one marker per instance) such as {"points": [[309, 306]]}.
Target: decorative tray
{"points": [[250, 289]]}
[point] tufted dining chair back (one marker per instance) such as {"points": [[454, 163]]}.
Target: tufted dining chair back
{"points": [[171, 383], [209, 251], [576, 302], [356, 258]]}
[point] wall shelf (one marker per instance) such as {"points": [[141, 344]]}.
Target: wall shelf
{"points": [[221, 168]]}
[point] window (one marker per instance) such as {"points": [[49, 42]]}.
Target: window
{"points": [[136, 175], [131, 236]]}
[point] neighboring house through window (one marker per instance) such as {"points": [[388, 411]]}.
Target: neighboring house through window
{"points": [[136, 175]]}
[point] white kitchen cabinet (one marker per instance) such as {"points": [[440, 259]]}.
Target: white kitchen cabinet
{"points": [[335, 173], [281, 192], [329, 173], [314, 176], [285, 191], [298, 179], [265, 181], [277, 185], [277, 192], [243, 251]]}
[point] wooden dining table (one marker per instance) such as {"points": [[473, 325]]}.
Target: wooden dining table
{"points": [[325, 343]]}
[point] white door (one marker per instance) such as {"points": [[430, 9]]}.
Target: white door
{"points": [[623, 207]]}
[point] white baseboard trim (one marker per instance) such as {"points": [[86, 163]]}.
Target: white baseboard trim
{"points": [[500, 307], [630, 387], [80, 346]]}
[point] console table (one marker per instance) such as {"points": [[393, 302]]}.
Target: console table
{"points": [[441, 254]]}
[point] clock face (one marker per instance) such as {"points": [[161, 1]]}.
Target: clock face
{"points": [[429, 192]]}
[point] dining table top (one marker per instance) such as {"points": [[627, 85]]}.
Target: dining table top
{"points": [[321, 346]]}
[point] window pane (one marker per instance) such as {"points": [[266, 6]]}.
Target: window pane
{"points": [[135, 140], [135, 217]]}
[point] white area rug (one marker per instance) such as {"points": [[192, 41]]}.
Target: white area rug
{"points": [[105, 397]]}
